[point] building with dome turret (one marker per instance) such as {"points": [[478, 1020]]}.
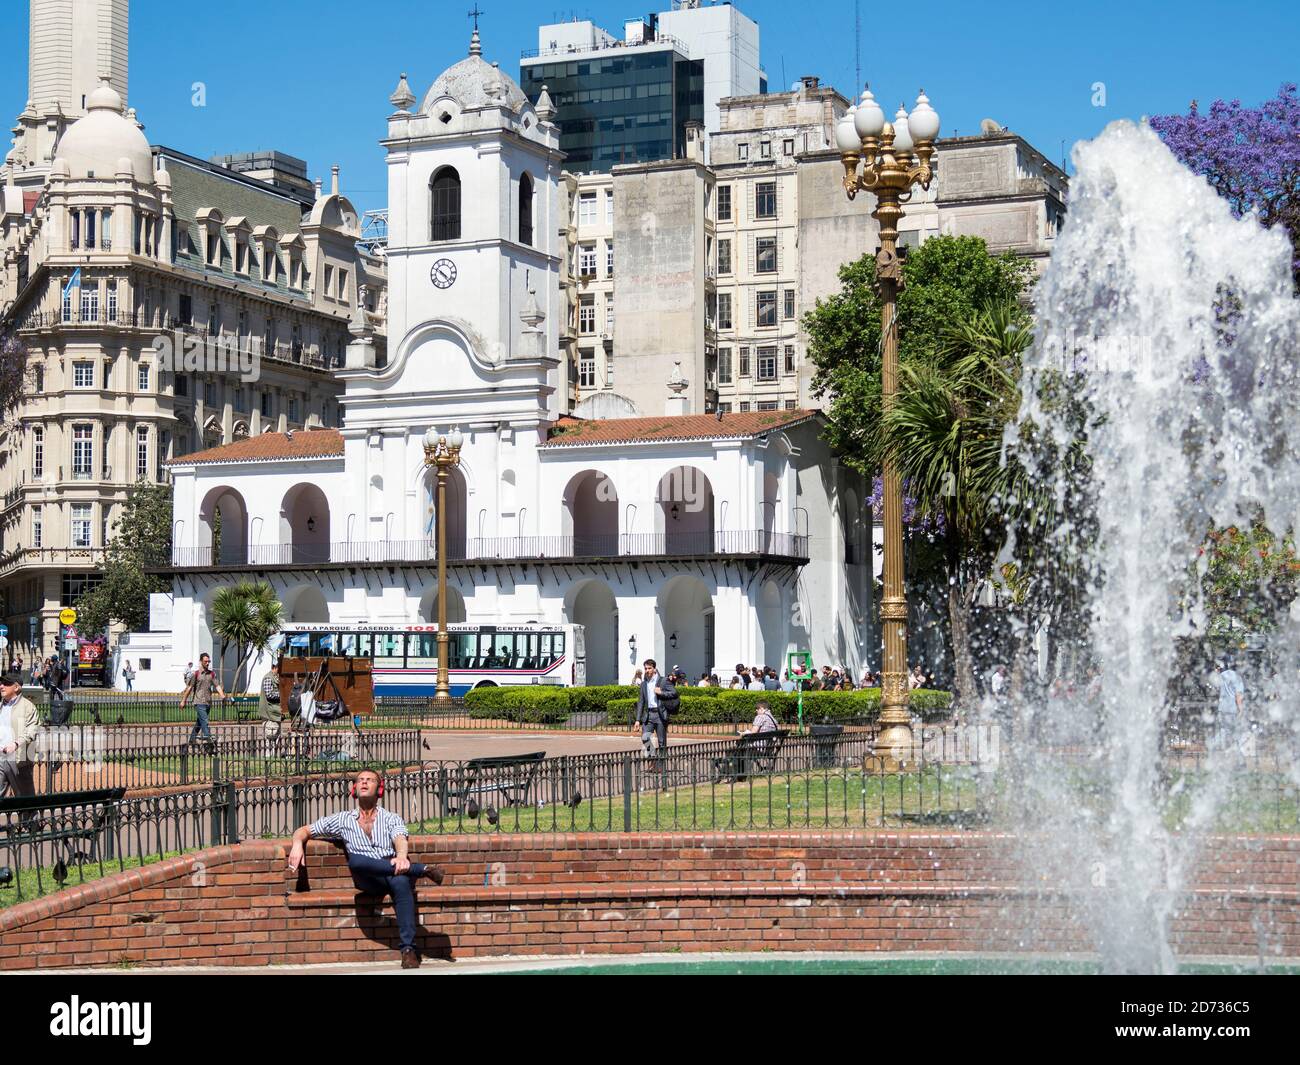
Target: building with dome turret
{"points": [[109, 244], [699, 540]]}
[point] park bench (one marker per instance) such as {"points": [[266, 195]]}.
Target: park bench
{"points": [[508, 778], [751, 755], [65, 819]]}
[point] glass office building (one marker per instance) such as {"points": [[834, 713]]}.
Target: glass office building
{"points": [[623, 105]]}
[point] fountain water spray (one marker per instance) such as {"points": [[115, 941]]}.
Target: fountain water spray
{"points": [[1174, 325]]}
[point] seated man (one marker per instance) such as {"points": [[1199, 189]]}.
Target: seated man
{"points": [[764, 721], [376, 842]]}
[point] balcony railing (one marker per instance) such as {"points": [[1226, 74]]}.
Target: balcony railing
{"points": [[737, 542], [51, 556]]}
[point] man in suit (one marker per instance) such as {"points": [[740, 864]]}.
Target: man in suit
{"points": [[656, 698], [19, 726]]}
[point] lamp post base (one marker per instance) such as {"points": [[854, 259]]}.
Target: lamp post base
{"points": [[892, 751]]}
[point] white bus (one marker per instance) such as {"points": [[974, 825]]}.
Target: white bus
{"points": [[405, 657]]}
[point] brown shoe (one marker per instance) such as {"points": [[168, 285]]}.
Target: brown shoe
{"points": [[434, 873], [410, 959]]}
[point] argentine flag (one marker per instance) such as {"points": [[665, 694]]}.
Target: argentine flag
{"points": [[73, 282]]}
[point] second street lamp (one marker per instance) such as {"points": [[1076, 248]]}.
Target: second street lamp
{"points": [[887, 160], [442, 453]]}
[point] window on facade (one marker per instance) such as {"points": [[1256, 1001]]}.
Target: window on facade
{"points": [[787, 146], [343, 284], [766, 309], [744, 362], [106, 232], [75, 585], [765, 255], [526, 209], [182, 385], [587, 314], [110, 311], [241, 255], [725, 408], [587, 260], [82, 451], [67, 304], [142, 377], [90, 228], [141, 453], [329, 280], [293, 408], [210, 393], [214, 243], [609, 258], [214, 317], [768, 404], [587, 209], [765, 200], [724, 203], [586, 369], [724, 256], [90, 303], [444, 209], [609, 314], [38, 453], [75, 240], [268, 261], [789, 404], [724, 310], [38, 374], [724, 366], [266, 404], [38, 531], [81, 524], [742, 152], [788, 312], [765, 149], [609, 369], [83, 375], [744, 408], [185, 308], [789, 358], [767, 363]]}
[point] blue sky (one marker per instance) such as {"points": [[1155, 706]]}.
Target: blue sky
{"points": [[313, 79]]}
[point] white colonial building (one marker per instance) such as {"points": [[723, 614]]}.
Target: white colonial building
{"points": [[700, 540]]}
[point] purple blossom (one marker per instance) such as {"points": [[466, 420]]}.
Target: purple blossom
{"points": [[915, 520], [1250, 156]]}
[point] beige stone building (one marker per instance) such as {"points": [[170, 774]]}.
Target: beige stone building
{"points": [[122, 244]]}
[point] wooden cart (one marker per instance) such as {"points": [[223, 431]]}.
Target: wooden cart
{"points": [[347, 679]]}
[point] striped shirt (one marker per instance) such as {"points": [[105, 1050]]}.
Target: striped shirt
{"points": [[347, 828]]}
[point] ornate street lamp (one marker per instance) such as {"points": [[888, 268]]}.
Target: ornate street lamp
{"points": [[442, 453], [887, 159]]}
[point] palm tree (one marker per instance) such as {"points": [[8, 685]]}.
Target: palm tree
{"points": [[945, 431], [245, 617]]}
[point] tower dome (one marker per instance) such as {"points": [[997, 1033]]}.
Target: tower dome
{"points": [[97, 142], [475, 83]]}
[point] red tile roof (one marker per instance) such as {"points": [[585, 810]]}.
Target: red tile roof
{"points": [[271, 447], [574, 431]]}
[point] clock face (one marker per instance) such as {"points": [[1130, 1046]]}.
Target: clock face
{"points": [[443, 273]]}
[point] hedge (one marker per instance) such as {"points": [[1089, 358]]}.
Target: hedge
{"points": [[538, 704], [724, 705]]}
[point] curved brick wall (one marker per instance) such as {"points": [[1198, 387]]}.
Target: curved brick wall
{"points": [[618, 894]]}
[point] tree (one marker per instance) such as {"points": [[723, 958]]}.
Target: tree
{"points": [[13, 373], [962, 333], [946, 280], [1249, 155], [1247, 577], [246, 617], [142, 540]]}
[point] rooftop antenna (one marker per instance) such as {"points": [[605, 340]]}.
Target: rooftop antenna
{"points": [[857, 42]]}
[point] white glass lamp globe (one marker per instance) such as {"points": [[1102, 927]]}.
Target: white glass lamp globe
{"points": [[869, 119], [431, 437], [455, 440], [902, 135], [846, 134], [923, 122]]}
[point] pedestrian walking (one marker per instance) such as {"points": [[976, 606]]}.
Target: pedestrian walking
{"points": [[19, 726], [203, 683], [1230, 720], [128, 675], [657, 698]]}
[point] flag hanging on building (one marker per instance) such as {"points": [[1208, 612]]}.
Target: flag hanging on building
{"points": [[73, 282]]}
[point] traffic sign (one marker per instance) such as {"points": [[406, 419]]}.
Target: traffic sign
{"points": [[4, 630], [67, 616], [70, 645]]}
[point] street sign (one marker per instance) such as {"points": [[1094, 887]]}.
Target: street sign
{"points": [[67, 616], [70, 645], [4, 630]]}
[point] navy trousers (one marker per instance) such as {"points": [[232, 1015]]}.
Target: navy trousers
{"points": [[374, 876]]}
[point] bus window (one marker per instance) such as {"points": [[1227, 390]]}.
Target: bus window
{"points": [[421, 650], [526, 644], [348, 644], [365, 645], [557, 642], [388, 650], [295, 645], [504, 655], [322, 644], [462, 650]]}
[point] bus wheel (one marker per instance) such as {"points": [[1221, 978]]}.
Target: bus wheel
{"points": [[485, 684]]}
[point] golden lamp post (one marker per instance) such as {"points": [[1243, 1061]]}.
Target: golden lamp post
{"points": [[887, 159], [443, 454]]}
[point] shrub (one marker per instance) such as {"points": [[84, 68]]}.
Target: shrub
{"points": [[595, 699], [532, 704], [721, 706]]}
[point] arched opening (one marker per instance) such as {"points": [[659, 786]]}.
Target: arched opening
{"points": [[684, 629], [456, 613], [223, 528], [592, 605], [305, 524], [444, 205], [591, 515], [457, 502], [684, 515], [771, 626], [770, 502], [526, 209], [308, 605]]}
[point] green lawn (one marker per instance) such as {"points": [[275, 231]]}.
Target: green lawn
{"points": [[12, 894]]}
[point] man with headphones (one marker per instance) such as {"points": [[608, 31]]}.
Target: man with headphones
{"points": [[376, 842]]}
